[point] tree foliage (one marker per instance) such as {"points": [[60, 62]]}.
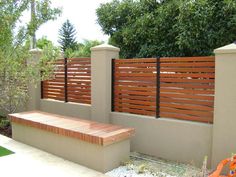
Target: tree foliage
{"points": [[43, 42], [150, 28], [15, 74], [67, 36], [83, 49]]}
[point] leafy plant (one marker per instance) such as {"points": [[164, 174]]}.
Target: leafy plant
{"points": [[15, 73], [168, 27], [43, 42], [84, 49]]}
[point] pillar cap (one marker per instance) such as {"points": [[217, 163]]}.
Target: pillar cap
{"points": [[36, 51], [105, 47], [228, 49]]}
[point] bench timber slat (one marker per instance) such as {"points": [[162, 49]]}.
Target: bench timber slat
{"points": [[89, 131]]}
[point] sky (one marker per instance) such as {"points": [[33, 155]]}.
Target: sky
{"points": [[81, 13]]}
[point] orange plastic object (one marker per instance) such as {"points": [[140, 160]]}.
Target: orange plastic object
{"points": [[232, 168]]}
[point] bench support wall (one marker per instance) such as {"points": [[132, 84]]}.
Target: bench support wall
{"points": [[100, 158]]}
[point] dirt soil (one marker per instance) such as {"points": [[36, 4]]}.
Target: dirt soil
{"points": [[5, 127], [6, 130]]}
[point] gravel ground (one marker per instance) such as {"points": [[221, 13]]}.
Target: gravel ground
{"points": [[141, 165]]}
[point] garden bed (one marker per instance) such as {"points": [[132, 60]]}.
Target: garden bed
{"points": [[141, 165], [5, 127]]}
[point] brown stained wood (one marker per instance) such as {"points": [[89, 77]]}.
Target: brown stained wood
{"points": [[136, 83], [135, 75], [139, 97], [189, 59], [140, 60], [54, 98], [189, 91], [190, 70], [188, 101], [71, 89], [187, 80], [187, 96], [78, 65], [188, 64], [75, 74], [128, 69], [57, 86], [55, 95], [134, 88], [133, 106], [136, 65], [82, 97], [92, 132], [188, 85], [53, 89], [150, 79], [187, 107], [73, 86], [138, 102], [79, 82], [78, 70], [188, 112], [177, 75], [117, 92], [79, 101], [46, 91], [75, 79], [73, 62]]}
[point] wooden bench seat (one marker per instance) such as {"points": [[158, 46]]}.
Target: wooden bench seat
{"points": [[89, 131], [96, 145]]}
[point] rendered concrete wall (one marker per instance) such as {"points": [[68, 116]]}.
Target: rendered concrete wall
{"points": [[181, 141], [225, 104], [100, 158], [82, 111]]}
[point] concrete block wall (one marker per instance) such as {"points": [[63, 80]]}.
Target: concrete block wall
{"points": [[182, 141]]}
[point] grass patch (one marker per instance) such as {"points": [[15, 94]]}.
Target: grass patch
{"points": [[4, 151]]}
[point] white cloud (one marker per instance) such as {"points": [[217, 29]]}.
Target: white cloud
{"points": [[82, 14]]}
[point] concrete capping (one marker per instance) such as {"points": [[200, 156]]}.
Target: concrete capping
{"points": [[106, 47], [228, 49], [36, 51]]}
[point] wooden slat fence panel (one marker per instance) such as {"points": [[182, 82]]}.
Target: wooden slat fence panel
{"points": [[55, 87], [79, 80], [78, 85], [175, 87], [135, 86], [187, 88]]}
